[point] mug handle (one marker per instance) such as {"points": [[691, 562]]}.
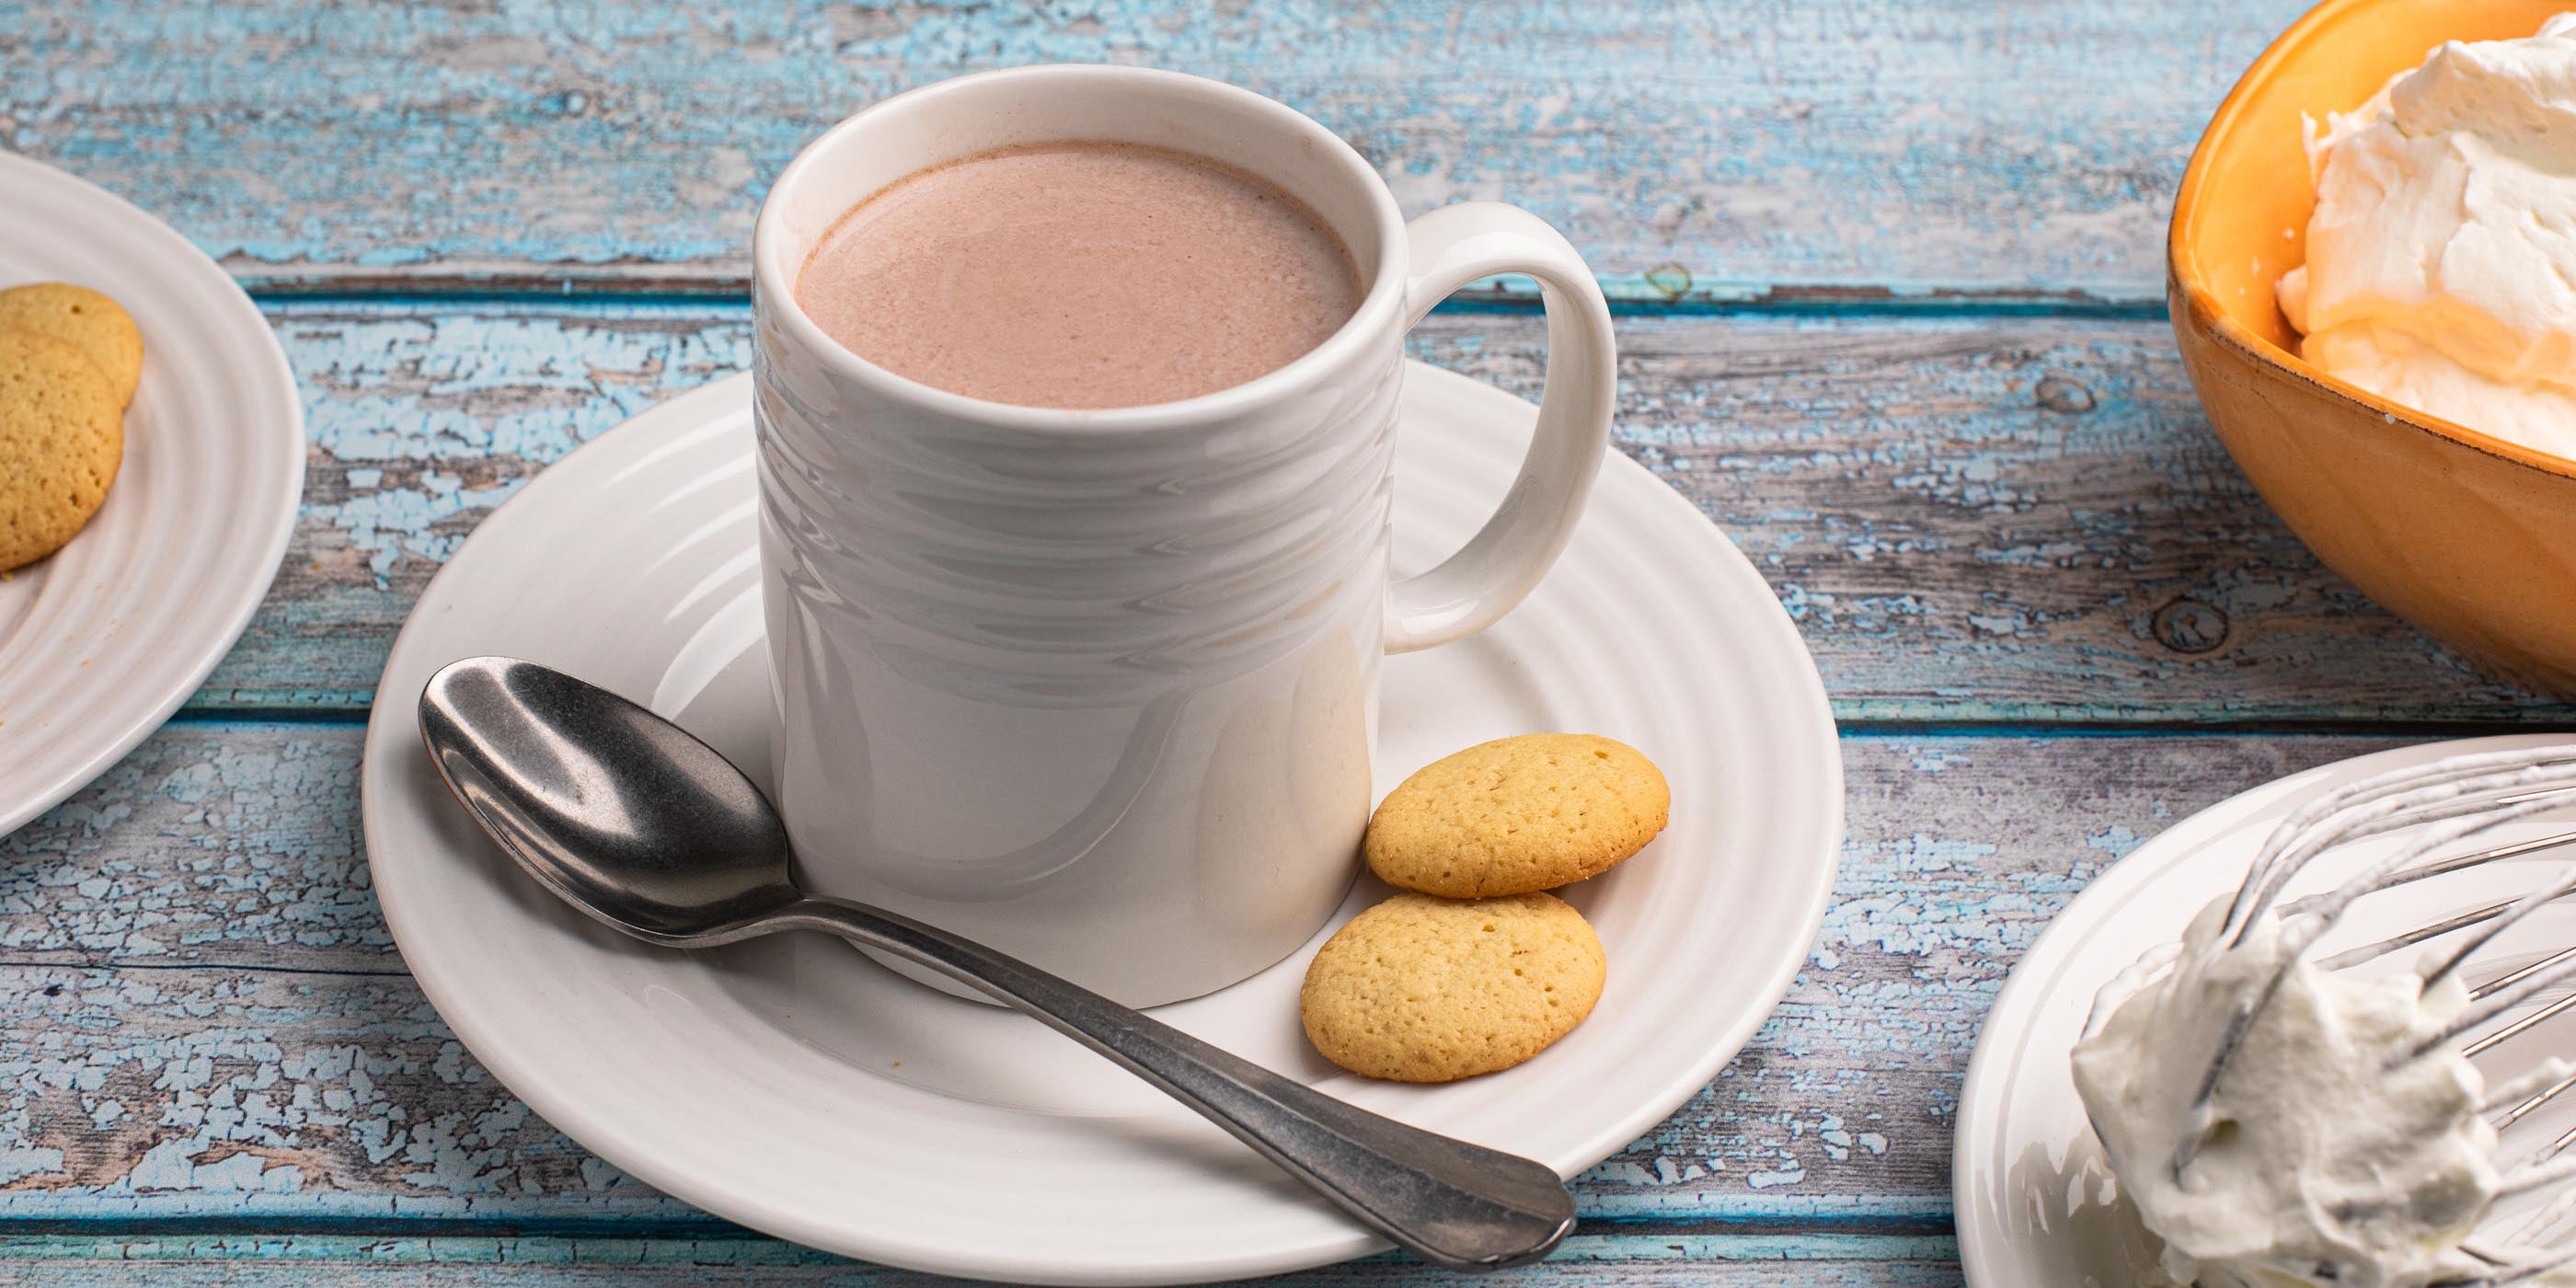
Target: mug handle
{"points": [[1503, 562]]}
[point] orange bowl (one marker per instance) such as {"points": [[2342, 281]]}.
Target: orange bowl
{"points": [[2470, 538]]}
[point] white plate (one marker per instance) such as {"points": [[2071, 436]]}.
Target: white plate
{"points": [[101, 642], [796, 1087], [2034, 1197]]}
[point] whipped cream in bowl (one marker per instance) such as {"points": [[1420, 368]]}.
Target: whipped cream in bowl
{"points": [[2327, 1153], [2441, 252]]}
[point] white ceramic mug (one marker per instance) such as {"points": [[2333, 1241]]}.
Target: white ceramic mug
{"points": [[1099, 688]]}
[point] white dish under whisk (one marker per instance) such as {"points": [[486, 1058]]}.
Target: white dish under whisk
{"points": [[2036, 1198]]}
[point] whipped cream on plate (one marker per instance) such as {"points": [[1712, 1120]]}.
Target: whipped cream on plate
{"points": [[2441, 263], [2323, 1155]]}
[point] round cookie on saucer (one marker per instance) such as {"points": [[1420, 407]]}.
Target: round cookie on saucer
{"points": [[85, 320], [1419, 989], [62, 437], [1532, 812]]}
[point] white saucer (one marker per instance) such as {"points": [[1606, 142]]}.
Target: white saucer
{"points": [[797, 1087], [101, 642], [2035, 1199]]}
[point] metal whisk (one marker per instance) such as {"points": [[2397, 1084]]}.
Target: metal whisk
{"points": [[2445, 803]]}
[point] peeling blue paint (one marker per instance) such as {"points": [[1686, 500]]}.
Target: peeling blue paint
{"points": [[597, 143], [262, 1072], [205, 1019], [1845, 457]]}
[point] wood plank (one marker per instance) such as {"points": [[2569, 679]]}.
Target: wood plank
{"points": [[202, 1018], [400, 1262], [1768, 150], [2012, 519]]}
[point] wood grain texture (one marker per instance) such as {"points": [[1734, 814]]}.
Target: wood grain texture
{"points": [[201, 1016], [1894, 269], [1774, 149], [1970, 519], [295, 1261]]}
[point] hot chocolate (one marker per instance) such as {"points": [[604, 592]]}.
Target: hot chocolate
{"points": [[1080, 275]]}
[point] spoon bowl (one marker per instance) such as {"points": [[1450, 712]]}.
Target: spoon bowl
{"points": [[621, 813]]}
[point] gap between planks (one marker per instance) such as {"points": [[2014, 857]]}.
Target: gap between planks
{"points": [[1867, 718], [718, 1246], [1627, 298], [1913, 1221]]}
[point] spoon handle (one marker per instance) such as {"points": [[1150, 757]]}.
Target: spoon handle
{"points": [[1459, 1205]]}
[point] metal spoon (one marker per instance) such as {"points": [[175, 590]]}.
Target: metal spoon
{"points": [[630, 819]]}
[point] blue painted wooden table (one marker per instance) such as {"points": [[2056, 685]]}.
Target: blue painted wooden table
{"points": [[1889, 277]]}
